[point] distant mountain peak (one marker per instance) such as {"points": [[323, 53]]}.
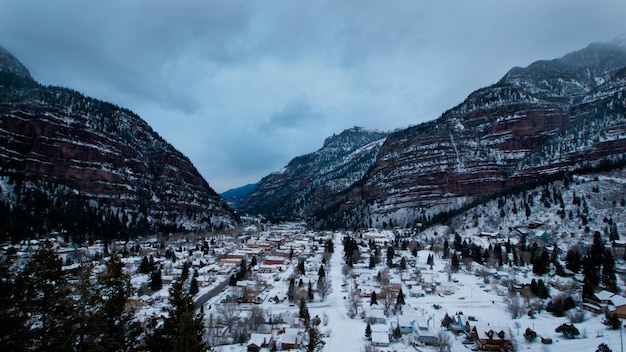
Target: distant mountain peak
{"points": [[9, 64]]}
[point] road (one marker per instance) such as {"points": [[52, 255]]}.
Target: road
{"points": [[202, 299]]}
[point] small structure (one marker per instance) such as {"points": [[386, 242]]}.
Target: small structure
{"points": [[374, 316], [491, 338], [422, 333], [291, 339], [405, 323], [380, 339], [258, 341]]}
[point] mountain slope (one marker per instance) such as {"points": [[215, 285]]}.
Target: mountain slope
{"points": [[308, 181], [549, 117], [65, 150]]}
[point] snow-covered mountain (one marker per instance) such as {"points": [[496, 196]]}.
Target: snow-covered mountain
{"points": [[76, 164], [308, 181], [535, 123]]}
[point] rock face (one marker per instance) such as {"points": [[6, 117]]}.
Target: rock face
{"points": [[308, 181], [549, 117], [57, 142]]}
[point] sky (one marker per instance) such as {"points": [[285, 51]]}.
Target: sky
{"points": [[242, 86]]}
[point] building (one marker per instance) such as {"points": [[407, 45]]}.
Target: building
{"points": [[491, 338], [422, 333], [380, 339], [258, 341]]}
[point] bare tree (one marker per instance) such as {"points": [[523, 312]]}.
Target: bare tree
{"points": [[257, 317], [353, 303], [229, 311], [514, 305], [323, 287], [444, 341], [387, 298], [346, 270]]}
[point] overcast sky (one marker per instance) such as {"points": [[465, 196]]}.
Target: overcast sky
{"points": [[241, 87]]}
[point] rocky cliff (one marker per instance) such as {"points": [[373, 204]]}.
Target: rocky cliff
{"points": [[58, 144], [552, 116]]}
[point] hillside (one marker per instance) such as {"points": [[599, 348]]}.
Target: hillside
{"points": [[77, 165], [534, 124], [308, 181]]}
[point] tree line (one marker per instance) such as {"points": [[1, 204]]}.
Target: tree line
{"points": [[45, 307]]}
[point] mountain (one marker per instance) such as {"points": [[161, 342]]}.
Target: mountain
{"points": [[232, 196], [537, 122], [308, 181], [78, 165]]}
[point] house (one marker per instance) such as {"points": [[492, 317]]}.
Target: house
{"points": [[274, 260], [491, 338], [380, 339], [374, 316], [405, 323], [422, 333], [257, 341], [618, 306], [291, 339]]}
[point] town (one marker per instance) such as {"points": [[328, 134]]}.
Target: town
{"points": [[283, 287]]}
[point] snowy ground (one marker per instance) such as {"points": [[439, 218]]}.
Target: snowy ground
{"points": [[471, 296]]}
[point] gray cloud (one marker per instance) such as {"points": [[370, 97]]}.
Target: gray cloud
{"points": [[295, 114], [241, 86]]}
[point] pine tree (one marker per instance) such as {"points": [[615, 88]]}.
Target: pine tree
{"points": [[373, 298], [193, 287], [304, 312], [321, 273], [114, 318], [156, 280], [45, 296], [608, 272], [144, 267], [368, 331], [12, 319], [400, 298], [182, 329]]}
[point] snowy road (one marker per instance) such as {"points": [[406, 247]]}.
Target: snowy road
{"points": [[345, 334]]}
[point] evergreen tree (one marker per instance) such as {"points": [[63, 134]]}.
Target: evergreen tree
{"points": [[400, 298], [372, 262], [13, 320], [373, 298], [315, 341], [303, 313], [156, 280], [117, 330], [368, 331], [45, 297], [608, 271], [454, 262], [193, 286], [402, 263], [144, 267], [310, 291], [182, 329], [321, 273], [573, 260]]}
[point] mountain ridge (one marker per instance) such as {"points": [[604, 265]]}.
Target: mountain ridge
{"points": [[550, 117], [58, 143]]}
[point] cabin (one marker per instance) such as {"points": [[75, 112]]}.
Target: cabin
{"points": [[374, 316], [422, 333], [491, 338], [258, 341], [380, 339], [291, 339]]}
